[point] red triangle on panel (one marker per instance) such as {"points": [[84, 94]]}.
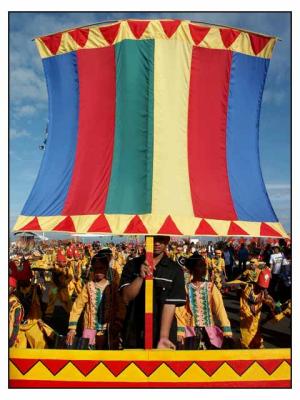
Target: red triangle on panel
{"points": [[269, 365], [169, 227], [138, 27], [266, 230], [55, 366], [228, 36], [65, 225], [80, 36], [170, 27], [205, 229], [179, 367], [198, 33], [52, 42], [136, 225], [116, 367], [24, 365], [85, 366], [148, 367], [100, 225], [240, 366], [209, 367], [33, 225], [236, 230], [258, 42], [110, 32]]}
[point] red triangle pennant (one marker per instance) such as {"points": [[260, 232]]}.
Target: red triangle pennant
{"points": [[240, 366], [258, 42], [52, 42], [266, 230], [209, 367], [138, 27], [110, 32], [80, 36], [55, 366], [228, 36], [205, 229], [169, 227], [116, 367], [33, 225], [136, 225], [236, 230], [66, 225], [179, 367], [198, 33], [269, 365], [170, 27], [100, 225], [85, 366], [24, 365], [148, 367]]}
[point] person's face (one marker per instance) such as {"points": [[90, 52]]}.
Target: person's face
{"points": [[160, 245], [252, 265], [100, 270], [203, 252], [276, 250], [218, 254]]}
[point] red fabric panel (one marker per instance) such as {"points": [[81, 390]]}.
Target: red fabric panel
{"points": [[52, 42], [170, 27], [267, 230], [32, 226], [207, 121], [258, 42], [138, 27], [80, 36], [149, 366], [85, 366], [169, 227], [100, 225], [205, 229], [198, 33], [136, 225], [228, 36], [110, 32], [116, 367], [66, 225], [91, 175], [235, 229], [55, 366]]}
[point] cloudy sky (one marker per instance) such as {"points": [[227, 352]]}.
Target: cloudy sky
{"points": [[28, 96]]}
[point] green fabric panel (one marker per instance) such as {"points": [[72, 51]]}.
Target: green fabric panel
{"points": [[130, 188]]}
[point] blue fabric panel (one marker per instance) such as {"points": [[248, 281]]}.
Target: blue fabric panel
{"points": [[247, 187], [50, 189]]}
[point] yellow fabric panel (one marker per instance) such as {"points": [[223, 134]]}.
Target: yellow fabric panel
{"points": [[171, 192], [154, 30], [149, 296], [149, 244], [22, 221]]}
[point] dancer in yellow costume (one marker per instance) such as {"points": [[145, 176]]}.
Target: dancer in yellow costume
{"points": [[253, 296], [218, 267]]}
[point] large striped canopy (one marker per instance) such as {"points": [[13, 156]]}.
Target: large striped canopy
{"points": [[153, 129]]}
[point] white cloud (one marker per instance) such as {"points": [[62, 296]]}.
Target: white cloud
{"points": [[16, 134], [26, 110]]}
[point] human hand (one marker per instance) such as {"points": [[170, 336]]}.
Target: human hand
{"points": [[145, 270], [70, 337], [165, 343]]}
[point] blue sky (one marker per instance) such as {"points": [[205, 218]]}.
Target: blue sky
{"points": [[28, 96]]}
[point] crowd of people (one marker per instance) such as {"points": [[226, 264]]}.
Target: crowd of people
{"points": [[92, 296]]}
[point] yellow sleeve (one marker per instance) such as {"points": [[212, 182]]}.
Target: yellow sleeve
{"points": [[78, 307], [220, 312]]}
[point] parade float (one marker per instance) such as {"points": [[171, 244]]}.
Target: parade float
{"points": [[153, 129]]}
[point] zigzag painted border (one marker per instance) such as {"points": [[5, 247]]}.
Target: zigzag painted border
{"points": [[150, 368]]}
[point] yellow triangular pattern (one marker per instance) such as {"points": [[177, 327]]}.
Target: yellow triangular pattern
{"points": [[163, 374], [49, 223], [132, 374], [213, 40], [155, 31], [278, 227], [221, 227]]}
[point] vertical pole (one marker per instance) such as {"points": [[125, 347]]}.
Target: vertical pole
{"points": [[149, 295]]}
